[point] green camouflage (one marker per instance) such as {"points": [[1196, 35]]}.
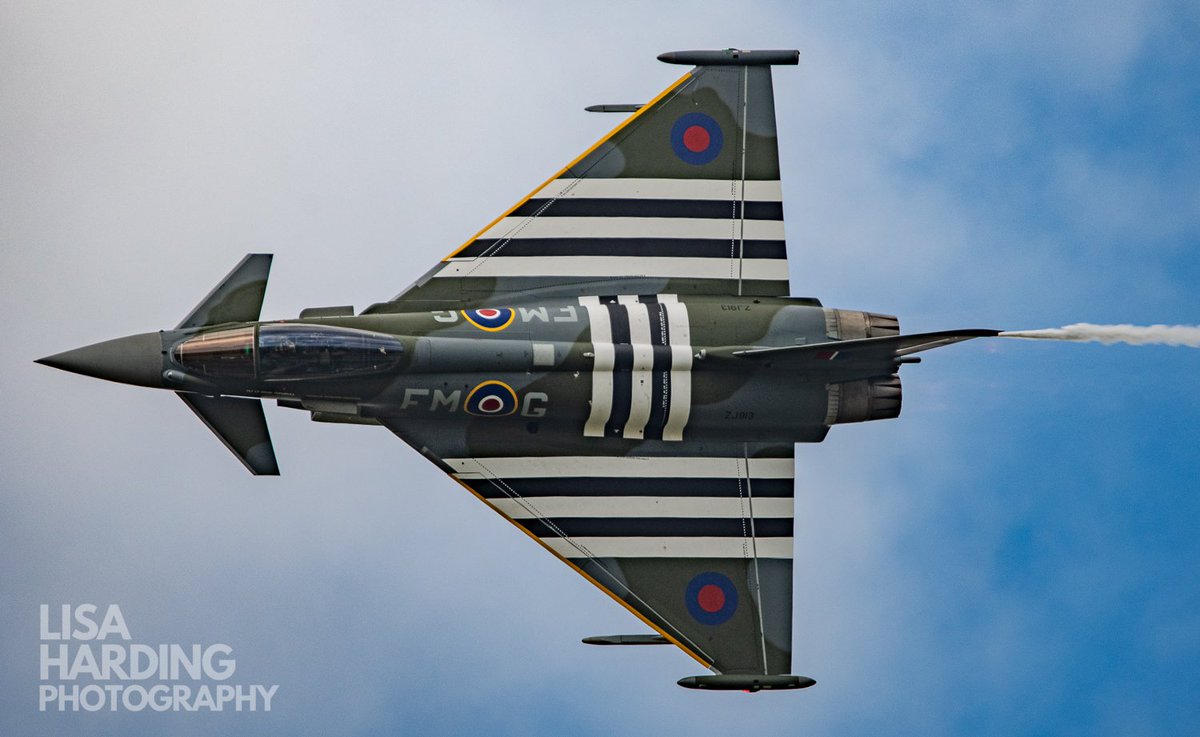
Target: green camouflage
{"points": [[613, 365]]}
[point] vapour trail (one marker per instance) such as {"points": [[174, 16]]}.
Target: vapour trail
{"points": [[1179, 335]]}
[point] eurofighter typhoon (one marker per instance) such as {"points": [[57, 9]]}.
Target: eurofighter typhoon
{"points": [[614, 365]]}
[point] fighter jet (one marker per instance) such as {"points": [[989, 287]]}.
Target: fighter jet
{"points": [[614, 365]]}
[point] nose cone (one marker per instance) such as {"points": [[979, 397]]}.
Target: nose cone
{"points": [[134, 359]]}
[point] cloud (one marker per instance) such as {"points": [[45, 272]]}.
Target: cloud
{"points": [[986, 564]]}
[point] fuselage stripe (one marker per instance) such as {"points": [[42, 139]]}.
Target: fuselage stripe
{"points": [[641, 376], [643, 362], [681, 368], [660, 377], [622, 393], [602, 367]]}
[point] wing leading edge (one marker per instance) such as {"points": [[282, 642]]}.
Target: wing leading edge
{"points": [[684, 196], [695, 539]]}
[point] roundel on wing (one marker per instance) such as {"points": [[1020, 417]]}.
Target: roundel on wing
{"points": [[491, 319], [711, 598], [492, 399], [696, 138]]}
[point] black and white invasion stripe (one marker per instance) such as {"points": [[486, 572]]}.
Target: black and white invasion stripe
{"points": [[641, 375], [659, 228], [642, 507]]}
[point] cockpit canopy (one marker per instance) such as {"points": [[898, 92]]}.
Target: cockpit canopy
{"points": [[278, 351]]}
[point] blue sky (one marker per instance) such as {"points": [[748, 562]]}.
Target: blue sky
{"points": [[1015, 555]]}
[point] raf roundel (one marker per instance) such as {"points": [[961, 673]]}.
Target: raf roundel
{"points": [[696, 138], [491, 319], [492, 399], [711, 598]]}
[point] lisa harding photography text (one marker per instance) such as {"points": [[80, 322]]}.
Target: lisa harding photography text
{"points": [[88, 662]]}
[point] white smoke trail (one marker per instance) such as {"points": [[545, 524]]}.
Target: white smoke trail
{"points": [[1184, 335]]}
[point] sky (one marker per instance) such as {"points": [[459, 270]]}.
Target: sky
{"points": [[1015, 555]]}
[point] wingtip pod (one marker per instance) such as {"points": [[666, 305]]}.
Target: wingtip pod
{"points": [[751, 683], [615, 108], [732, 57], [626, 640]]}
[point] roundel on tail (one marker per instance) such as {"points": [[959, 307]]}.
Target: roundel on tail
{"points": [[492, 399], [711, 598], [491, 319], [696, 138]]}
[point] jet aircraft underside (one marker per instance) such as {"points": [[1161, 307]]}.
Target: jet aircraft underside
{"points": [[614, 365]]}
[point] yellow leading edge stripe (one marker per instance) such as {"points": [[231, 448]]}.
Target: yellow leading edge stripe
{"points": [[575, 161], [479, 496], [579, 570]]}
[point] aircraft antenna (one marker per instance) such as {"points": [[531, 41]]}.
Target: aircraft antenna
{"points": [[742, 192], [762, 629]]}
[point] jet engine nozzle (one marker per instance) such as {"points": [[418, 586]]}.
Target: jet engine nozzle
{"points": [[862, 401], [856, 325]]}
